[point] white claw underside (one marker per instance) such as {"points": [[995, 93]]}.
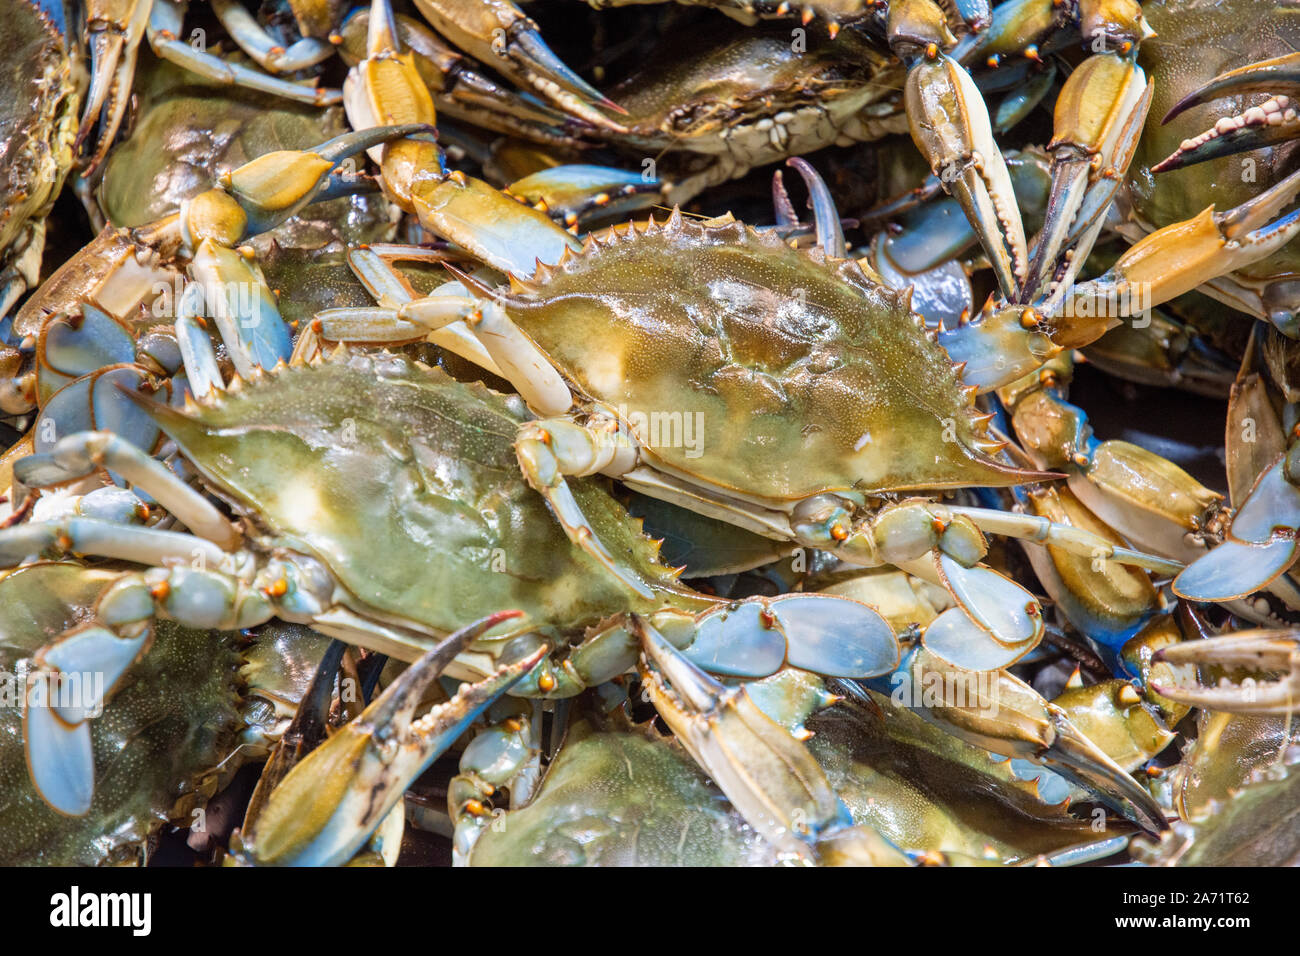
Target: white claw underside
{"points": [[97, 651], [59, 756], [1002, 607], [1233, 570], [1273, 504], [961, 642]]}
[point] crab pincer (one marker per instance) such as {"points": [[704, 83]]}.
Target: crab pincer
{"points": [[768, 775], [1259, 652], [329, 804]]}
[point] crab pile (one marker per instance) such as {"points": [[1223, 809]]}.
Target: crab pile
{"points": [[434, 432]]}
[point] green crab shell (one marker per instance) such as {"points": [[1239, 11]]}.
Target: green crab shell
{"points": [[156, 745], [754, 367], [622, 795], [404, 482], [1197, 40], [925, 789], [38, 109], [1255, 825], [702, 95]]}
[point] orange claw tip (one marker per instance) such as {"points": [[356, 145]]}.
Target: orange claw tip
{"points": [[492, 620], [807, 15], [610, 105], [931, 51], [1031, 52], [993, 62], [833, 29]]}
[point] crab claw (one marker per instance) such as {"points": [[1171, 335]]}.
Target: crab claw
{"points": [[497, 32], [1264, 124], [824, 633], [115, 28], [1259, 651], [1098, 120], [1181, 256], [770, 777], [276, 185], [1002, 714], [1261, 543], [329, 804], [571, 193], [950, 126]]}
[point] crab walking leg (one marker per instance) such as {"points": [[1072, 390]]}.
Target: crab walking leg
{"points": [[509, 352], [497, 229], [768, 775], [368, 764], [189, 580], [1261, 651], [1040, 530], [825, 634], [548, 450], [100, 652], [1001, 713], [166, 22], [944, 544], [264, 49], [82, 454], [372, 265]]}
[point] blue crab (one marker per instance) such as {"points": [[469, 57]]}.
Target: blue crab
{"points": [[750, 740], [39, 100], [125, 308], [1251, 826], [497, 32], [202, 705], [767, 347], [306, 553]]}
